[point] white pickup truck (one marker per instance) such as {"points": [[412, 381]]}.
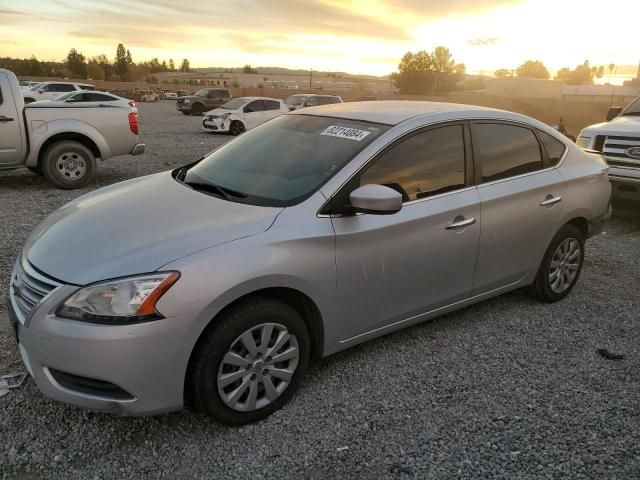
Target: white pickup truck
{"points": [[618, 140], [59, 140]]}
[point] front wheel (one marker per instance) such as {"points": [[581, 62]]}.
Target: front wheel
{"points": [[236, 128], [68, 165], [251, 362], [561, 266], [197, 110]]}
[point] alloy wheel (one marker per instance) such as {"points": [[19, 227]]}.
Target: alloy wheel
{"points": [[258, 367], [565, 265]]}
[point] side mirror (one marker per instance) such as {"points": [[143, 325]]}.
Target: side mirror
{"points": [[41, 90], [376, 200], [613, 113]]}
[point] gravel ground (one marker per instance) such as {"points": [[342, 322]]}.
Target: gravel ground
{"points": [[508, 389]]}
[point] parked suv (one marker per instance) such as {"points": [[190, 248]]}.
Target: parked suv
{"points": [[307, 235], [303, 100], [205, 99], [618, 139], [52, 90]]}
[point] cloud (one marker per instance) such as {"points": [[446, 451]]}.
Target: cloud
{"points": [[483, 42]]}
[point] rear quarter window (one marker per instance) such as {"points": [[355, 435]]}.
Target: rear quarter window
{"points": [[554, 147]]}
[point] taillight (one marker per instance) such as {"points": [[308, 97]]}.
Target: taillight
{"points": [[133, 123]]}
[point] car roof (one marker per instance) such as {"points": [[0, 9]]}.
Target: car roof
{"points": [[67, 83], [393, 112], [313, 95], [257, 98]]}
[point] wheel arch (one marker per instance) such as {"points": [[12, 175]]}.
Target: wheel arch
{"points": [[299, 301], [582, 224], [71, 136]]}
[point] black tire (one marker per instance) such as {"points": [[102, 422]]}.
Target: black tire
{"points": [[236, 128], [56, 169], [202, 386], [542, 288], [197, 110], [186, 113], [36, 170]]}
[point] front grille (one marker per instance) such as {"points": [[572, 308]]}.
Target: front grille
{"points": [[28, 288], [617, 146]]}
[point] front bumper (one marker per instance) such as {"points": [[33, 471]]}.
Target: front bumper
{"points": [[184, 107], [215, 124], [138, 149], [625, 182], [136, 369]]}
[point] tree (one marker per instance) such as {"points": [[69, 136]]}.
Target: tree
{"points": [[503, 73], [76, 63], [581, 75], [423, 72], [172, 66], [533, 69], [121, 64], [35, 67], [249, 69], [185, 66], [129, 58], [95, 71]]}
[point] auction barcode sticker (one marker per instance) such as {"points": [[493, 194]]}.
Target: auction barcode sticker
{"points": [[345, 132]]}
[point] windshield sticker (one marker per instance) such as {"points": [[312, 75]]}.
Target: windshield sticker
{"points": [[344, 132]]}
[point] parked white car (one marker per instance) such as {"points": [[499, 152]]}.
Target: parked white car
{"points": [[170, 96], [242, 114], [27, 84], [82, 98], [304, 100], [52, 90]]}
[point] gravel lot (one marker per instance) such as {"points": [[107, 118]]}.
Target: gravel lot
{"points": [[508, 389]]}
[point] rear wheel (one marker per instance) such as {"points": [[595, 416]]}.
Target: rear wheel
{"points": [[561, 266], [68, 165], [236, 127], [197, 110], [251, 362]]}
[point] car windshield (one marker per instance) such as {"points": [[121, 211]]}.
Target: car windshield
{"points": [[202, 93], [295, 100], [235, 104], [633, 109], [64, 97], [282, 162], [35, 87]]}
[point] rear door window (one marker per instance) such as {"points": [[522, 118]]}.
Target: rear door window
{"points": [[255, 106], [272, 105], [505, 150]]}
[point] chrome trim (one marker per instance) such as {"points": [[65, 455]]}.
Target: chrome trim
{"points": [[550, 201], [37, 289]]}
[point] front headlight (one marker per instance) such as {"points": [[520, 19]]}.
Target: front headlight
{"points": [[224, 115], [121, 301], [583, 142]]}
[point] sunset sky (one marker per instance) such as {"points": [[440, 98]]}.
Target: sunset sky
{"points": [[356, 36]]}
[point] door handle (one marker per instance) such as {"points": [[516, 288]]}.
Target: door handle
{"points": [[550, 200], [4, 119], [460, 222]]}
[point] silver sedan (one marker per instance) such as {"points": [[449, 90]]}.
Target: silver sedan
{"points": [[316, 231]]}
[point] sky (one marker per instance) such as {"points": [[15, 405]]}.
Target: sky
{"points": [[355, 36]]}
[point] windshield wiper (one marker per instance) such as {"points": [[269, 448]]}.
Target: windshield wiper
{"points": [[224, 192]]}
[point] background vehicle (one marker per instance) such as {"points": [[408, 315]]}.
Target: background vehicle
{"points": [[170, 96], [93, 97], [27, 84], [312, 233], [51, 90], [619, 141], [303, 100], [145, 96], [241, 114], [60, 140], [205, 99]]}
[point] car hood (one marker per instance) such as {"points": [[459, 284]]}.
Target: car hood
{"points": [[220, 111], [617, 126], [136, 227]]}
